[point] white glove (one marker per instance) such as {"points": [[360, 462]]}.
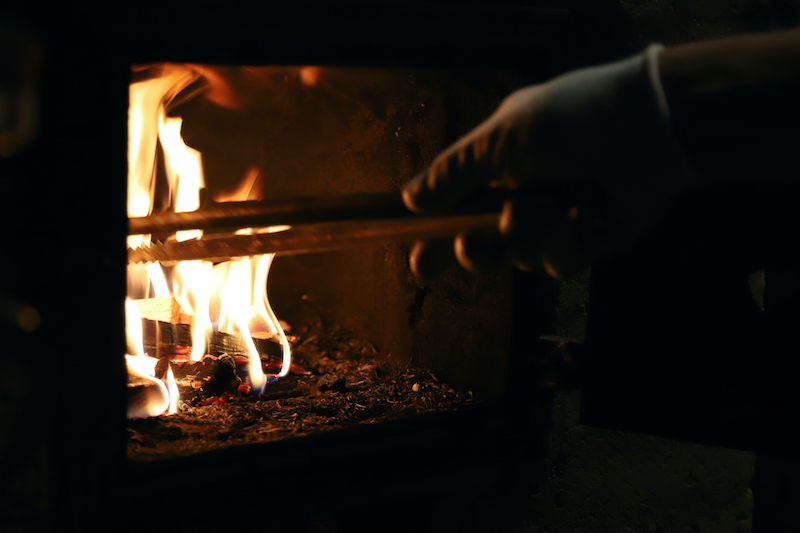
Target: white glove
{"points": [[591, 156]]}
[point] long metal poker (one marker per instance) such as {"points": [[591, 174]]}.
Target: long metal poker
{"points": [[318, 224]]}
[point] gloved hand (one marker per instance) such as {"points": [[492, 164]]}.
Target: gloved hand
{"points": [[590, 157]]}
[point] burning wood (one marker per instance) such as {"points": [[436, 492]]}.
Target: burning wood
{"points": [[210, 377], [235, 291], [166, 339], [145, 396], [149, 394], [163, 339], [233, 344], [345, 385], [142, 396], [162, 309], [165, 349], [223, 370]]}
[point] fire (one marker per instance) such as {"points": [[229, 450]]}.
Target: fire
{"points": [[190, 287], [157, 398], [230, 297], [246, 190], [133, 328], [172, 388], [147, 104], [184, 171]]}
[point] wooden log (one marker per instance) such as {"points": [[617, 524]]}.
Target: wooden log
{"points": [[141, 400], [168, 333], [145, 397], [233, 344], [161, 309], [165, 339], [177, 334], [209, 377]]}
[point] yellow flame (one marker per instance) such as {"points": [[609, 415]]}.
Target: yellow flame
{"points": [[157, 399], [158, 280], [258, 381], [184, 171], [235, 312], [191, 287], [245, 307], [147, 105], [161, 397], [238, 289], [172, 388], [264, 311], [133, 327], [244, 303]]}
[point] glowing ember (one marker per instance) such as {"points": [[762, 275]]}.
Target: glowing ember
{"points": [[309, 75], [231, 295]]}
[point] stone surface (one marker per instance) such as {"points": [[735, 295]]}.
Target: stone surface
{"points": [[597, 480], [602, 480]]}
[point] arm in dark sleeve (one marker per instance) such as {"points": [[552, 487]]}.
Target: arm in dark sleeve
{"points": [[735, 105]]}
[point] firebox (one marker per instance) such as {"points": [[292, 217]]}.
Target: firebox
{"points": [[307, 99], [323, 134]]}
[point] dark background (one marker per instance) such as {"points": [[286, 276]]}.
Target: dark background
{"points": [[594, 479], [669, 322]]}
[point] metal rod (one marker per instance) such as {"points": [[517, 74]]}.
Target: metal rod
{"points": [[313, 238], [308, 210], [297, 211]]}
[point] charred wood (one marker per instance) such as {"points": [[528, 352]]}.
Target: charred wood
{"points": [[163, 338], [234, 344], [207, 378], [166, 339]]}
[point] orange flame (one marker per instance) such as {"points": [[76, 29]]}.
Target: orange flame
{"points": [[218, 90], [248, 189], [309, 75]]}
